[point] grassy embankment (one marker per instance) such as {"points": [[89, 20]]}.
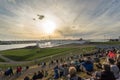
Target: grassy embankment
{"points": [[44, 54], [1, 60], [36, 53]]}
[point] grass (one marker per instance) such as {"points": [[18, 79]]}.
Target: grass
{"points": [[25, 54], [31, 54], [2, 60], [36, 53], [43, 54]]}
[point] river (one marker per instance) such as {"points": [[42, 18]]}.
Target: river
{"points": [[41, 45]]}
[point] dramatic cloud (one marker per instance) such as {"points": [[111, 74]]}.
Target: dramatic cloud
{"points": [[73, 18]]}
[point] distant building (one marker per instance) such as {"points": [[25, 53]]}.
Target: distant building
{"points": [[81, 39], [113, 40]]}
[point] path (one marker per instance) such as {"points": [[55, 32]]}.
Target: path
{"points": [[6, 59]]}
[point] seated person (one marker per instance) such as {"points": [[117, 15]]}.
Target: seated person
{"points": [[40, 75], [98, 64], [8, 72], [56, 72], [87, 66], [114, 68], [106, 74], [34, 76], [72, 74], [26, 78]]}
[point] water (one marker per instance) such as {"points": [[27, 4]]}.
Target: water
{"points": [[41, 45], [13, 46], [58, 43]]}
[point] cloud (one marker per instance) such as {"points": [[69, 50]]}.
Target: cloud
{"points": [[73, 17], [12, 1]]}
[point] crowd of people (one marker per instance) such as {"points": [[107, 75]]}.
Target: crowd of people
{"points": [[101, 65], [68, 68], [10, 72]]}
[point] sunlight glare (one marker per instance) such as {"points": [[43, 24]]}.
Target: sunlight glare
{"points": [[49, 26]]}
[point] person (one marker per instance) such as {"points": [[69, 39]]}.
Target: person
{"points": [[87, 66], [8, 72], [66, 69], [26, 78], [40, 75], [77, 65], [98, 63], [19, 70], [34, 76], [72, 74], [45, 73], [114, 68], [56, 72], [11, 71], [111, 55], [106, 74], [61, 70], [27, 67]]}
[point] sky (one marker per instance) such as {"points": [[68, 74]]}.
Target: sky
{"points": [[89, 19]]}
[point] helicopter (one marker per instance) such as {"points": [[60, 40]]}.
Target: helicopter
{"points": [[40, 17]]}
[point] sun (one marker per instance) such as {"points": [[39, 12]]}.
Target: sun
{"points": [[49, 26]]}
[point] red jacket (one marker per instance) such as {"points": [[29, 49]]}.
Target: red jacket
{"points": [[111, 54]]}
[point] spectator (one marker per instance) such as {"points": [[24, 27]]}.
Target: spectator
{"points": [[65, 70], [72, 74], [11, 71], [19, 70], [45, 73], [98, 64], [40, 75], [34, 76], [26, 78], [106, 74], [27, 67], [61, 70], [56, 73], [114, 68], [87, 66], [8, 72], [111, 55]]}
